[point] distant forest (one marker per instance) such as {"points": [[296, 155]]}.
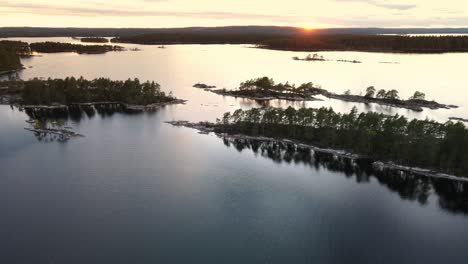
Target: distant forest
{"points": [[280, 38], [196, 38], [379, 43], [94, 40], [313, 42], [256, 30]]}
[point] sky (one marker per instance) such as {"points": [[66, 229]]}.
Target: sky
{"points": [[186, 13]]}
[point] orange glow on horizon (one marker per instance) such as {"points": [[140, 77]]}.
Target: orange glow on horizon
{"points": [[306, 28]]}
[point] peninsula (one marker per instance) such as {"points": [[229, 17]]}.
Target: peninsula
{"points": [[391, 139]]}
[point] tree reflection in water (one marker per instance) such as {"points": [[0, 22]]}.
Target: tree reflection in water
{"points": [[452, 195], [61, 118]]}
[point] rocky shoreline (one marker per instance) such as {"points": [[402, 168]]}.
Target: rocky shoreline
{"points": [[458, 119], [204, 128], [416, 105]]}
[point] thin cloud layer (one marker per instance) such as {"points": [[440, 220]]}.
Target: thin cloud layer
{"points": [[383, 4], [176, 13]]}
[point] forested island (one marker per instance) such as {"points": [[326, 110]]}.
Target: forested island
{"points": [[392, 139], [52, 47], [94, 40], [264, 89], [60, 94]]}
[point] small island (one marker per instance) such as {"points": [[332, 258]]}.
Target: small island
{"points": [[392, 142], [94, 40], [317, 57], [54, 47], [203, 86], [264, 89], [309, 57]]}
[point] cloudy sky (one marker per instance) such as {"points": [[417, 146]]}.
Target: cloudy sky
{"points": [[181, 13]]}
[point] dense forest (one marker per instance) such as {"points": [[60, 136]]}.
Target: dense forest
{"points": [[196, 38], [378, 43], [71, 90], [10, 52], [394, 138], [94, 40], [50, 47]]}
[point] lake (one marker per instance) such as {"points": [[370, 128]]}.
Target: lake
{"points": [[137, 190]]}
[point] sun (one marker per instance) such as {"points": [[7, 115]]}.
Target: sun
{"points": [[308, 28]]}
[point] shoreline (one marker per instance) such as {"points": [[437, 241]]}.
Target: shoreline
{"points": [[126, 105], [266, 97], [414, 105], [378, 165]]}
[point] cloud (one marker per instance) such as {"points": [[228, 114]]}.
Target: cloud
{"points": [[94, 11], [433, 21], [381, 4]]}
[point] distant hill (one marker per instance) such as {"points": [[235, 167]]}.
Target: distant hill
{"points": [[245, 30]]}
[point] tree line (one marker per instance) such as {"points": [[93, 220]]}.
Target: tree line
{"points": [[378, 43], [393, 138], [72, 90], [94, 40], [50, 47], [196, 38]]}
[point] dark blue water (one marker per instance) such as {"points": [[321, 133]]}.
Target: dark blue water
{"points": [[137, 190]]}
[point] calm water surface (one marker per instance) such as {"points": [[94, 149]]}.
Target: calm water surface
{"points": [[136, 190]]}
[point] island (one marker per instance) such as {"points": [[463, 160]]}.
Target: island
{"points": [[53, 47], [58, 99], [94, 40], [390, 141], [203, 86], [265, 88], [62, 94], [309, 57], [317, 57]]}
